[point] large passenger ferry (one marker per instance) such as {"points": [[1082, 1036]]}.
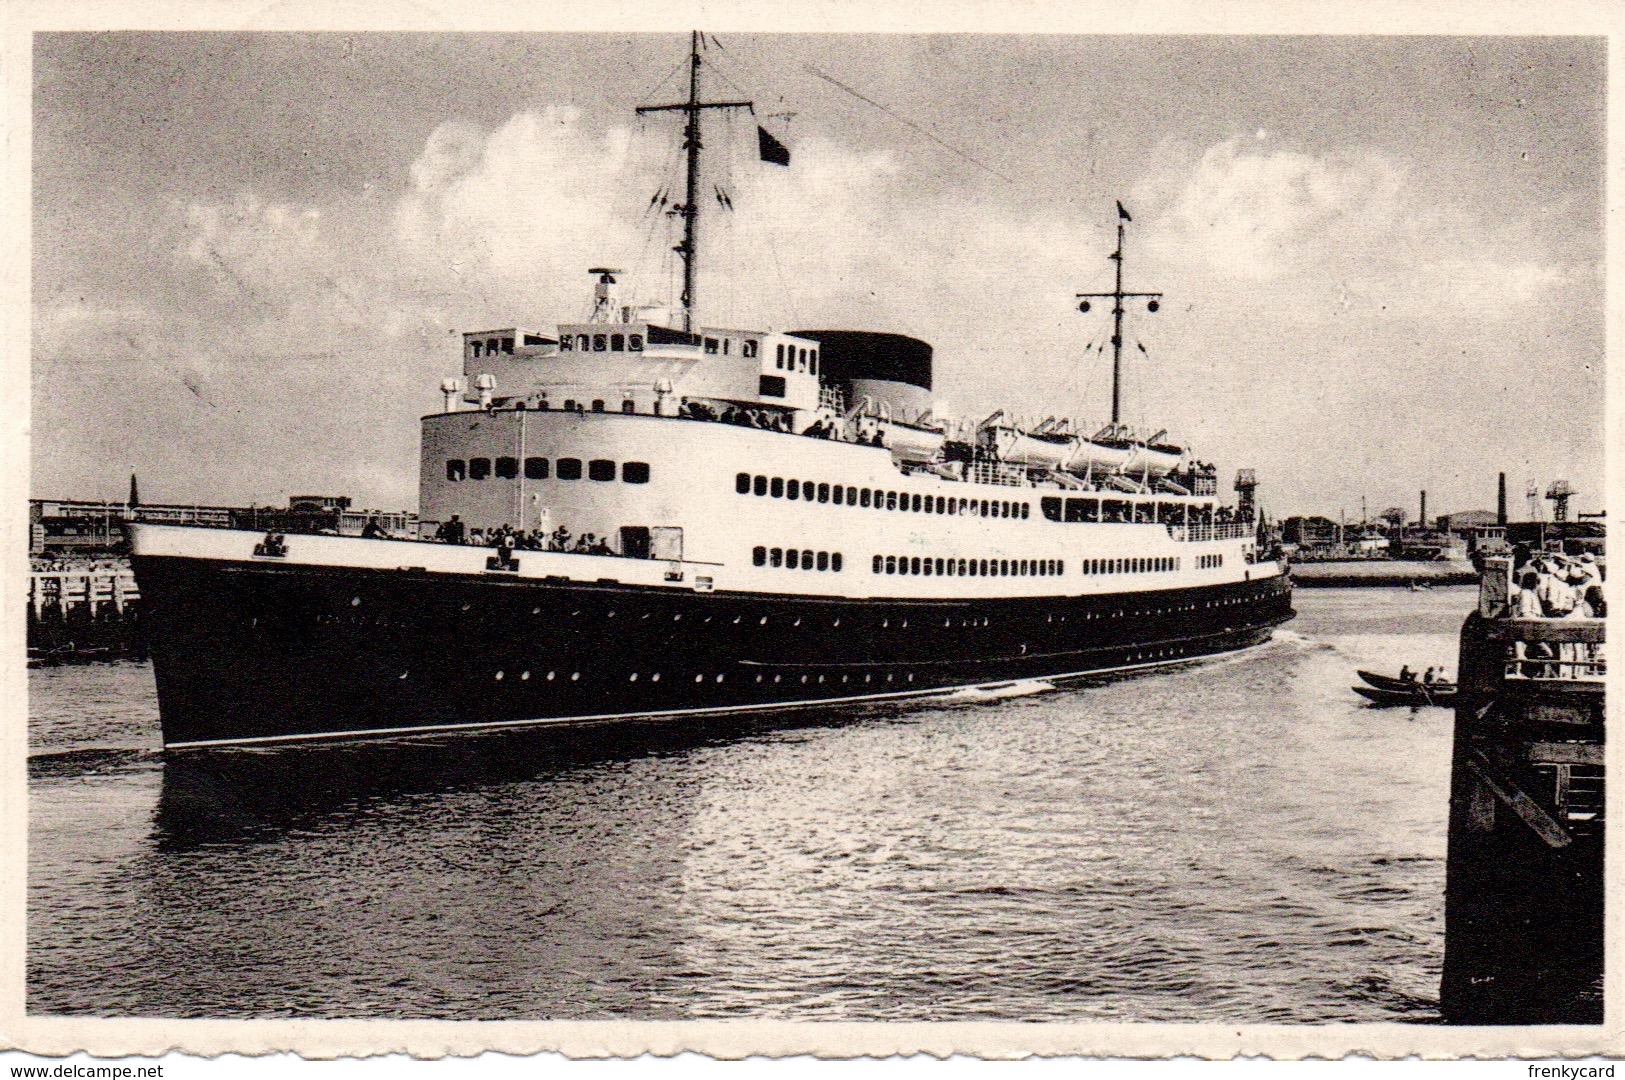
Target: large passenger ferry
{"points": [[623, 518]]}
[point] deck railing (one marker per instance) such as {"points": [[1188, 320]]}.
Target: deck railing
{"points": [[997, 472], [1229, 530]]}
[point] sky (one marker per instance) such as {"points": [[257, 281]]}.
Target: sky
{"points": [[1381, 258]]}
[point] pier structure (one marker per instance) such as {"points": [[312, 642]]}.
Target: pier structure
{"points": [[88, 611], [1524, 884]]}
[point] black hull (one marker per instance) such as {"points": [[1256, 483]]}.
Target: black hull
{"points": [[246, 652]]}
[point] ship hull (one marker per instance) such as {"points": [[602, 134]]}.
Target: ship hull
{"points": [[254, 652]]}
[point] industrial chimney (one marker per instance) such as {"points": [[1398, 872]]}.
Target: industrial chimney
{"points": [[1501, 501], [1422, 522]]}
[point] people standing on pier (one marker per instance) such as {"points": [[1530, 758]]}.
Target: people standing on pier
{"points": [[1556, 594], [1526, 598]]}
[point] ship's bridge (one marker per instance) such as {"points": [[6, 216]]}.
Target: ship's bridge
{"points": [[640, 367]]}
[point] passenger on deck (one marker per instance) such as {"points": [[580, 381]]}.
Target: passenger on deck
{"points": [[1557, 596], [560, 540], [451, 532], [1526, 598], [1595, 603], [373, 531]]}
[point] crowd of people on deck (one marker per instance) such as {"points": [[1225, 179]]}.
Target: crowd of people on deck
{"points": [[508, 539], [765, 419], [1551, 585]]}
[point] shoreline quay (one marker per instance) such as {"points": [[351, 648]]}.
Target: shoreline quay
{"points": [[1387, 573]]}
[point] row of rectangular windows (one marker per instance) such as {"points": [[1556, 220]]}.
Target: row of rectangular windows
{"points": [[779, 488], [1122, 510], [536, 468], [747, 348], [505, 345], [1208, 562], [796, 359], [912, 564], [1152, 564], [796, 558]]}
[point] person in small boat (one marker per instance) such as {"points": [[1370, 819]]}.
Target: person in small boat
{"points": [[1427, 679], [1406, 674]]}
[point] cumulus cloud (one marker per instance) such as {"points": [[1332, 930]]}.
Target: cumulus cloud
{"points": [[1293, 278], [1351, 222]]}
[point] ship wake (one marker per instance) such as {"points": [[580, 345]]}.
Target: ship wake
{"points": [[999, 691]]}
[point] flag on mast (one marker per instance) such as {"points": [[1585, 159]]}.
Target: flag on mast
{"points": [[1122, 213], [773, 151]]}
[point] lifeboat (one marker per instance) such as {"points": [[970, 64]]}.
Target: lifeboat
{"points": [[909, 442]]}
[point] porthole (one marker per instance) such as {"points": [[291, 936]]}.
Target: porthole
{"points": [[699, 678], [355, 601], [762, 621], [678, 617], [574, 676], [911, 676], [404, 674], [550, 675], [804, 680], [499, 676], [820, 678], [719, 678], [758, 678], [524, 676], [655, 677], [777, 679], [837, 622], [535, 611], [632, 677], [868, 678]]}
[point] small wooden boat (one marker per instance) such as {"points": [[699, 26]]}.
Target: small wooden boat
{"points": [[1418, 694], [1388, 682]]}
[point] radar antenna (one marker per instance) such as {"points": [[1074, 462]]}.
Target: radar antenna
{"points": [[1117, 296]]}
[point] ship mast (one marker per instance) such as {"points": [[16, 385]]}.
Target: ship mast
{"points": [[688, 250], [1117, 296]]}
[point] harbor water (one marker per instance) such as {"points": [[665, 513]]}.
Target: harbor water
{"points": [[1241, 840]]}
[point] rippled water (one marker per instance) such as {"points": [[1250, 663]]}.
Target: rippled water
{"points": [[1240, 841]]}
